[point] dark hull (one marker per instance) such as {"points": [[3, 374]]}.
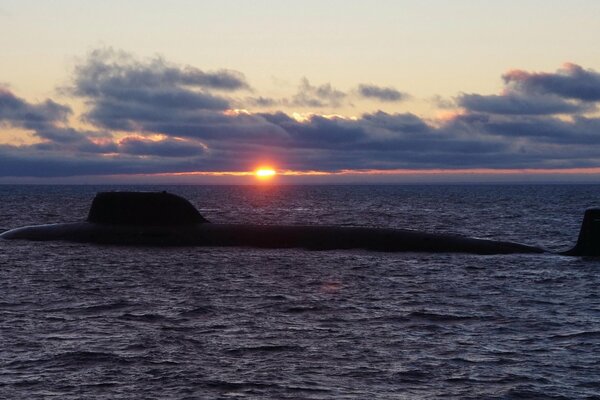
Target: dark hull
{"points": [[268, 236]]}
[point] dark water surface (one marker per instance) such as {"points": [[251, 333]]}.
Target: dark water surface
{"points": [[86, 321]]}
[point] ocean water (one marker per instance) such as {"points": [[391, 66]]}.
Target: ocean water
{"points": [[107, 322]]}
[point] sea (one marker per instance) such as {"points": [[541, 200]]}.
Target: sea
{"points": [[84, 321]]}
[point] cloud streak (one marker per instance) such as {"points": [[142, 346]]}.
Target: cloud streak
{"points": [[521, 104], [162, 148], [387, 94], [317, 96]]}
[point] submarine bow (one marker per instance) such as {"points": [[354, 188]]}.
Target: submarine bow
{"points": [[165, 219]]}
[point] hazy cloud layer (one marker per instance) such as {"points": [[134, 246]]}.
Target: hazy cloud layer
{"points": [[151, 116], [326, 96], [161, 148], [521, 104], [317, 96]]}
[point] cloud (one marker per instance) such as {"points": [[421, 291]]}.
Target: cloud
{"points": [[442, 102], [580, 131], [388, 94], [162, 148], [317, 96], [151, 117], [572, 90], [121, 89], [28, 161], [107, 69], [19, 112], [571, 82], [47, 120], [326, 96], [381, 140], [521, 104], [373, 141], [261, 101]]}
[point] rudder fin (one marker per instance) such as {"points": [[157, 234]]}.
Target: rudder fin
{"points": [[588, 243]]}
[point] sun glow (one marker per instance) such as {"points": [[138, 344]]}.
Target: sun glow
{"points": [[265, 173]]}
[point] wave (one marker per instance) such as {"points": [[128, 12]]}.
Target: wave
{"points": [[100, 308], [150, 317], [434, 317], [577, 335], [198, 311], [267, 348]]}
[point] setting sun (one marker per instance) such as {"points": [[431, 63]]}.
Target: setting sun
{"points": [[265, 173]]}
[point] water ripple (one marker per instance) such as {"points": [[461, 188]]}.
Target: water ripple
{"points": [[84, 321]]}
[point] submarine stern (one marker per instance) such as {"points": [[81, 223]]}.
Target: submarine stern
{"points": [[588, 242]]}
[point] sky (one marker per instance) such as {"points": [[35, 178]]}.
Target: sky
{"points": [[320, 91]]}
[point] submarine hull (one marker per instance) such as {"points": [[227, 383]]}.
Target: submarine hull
{"points": [[165, 219], [268, 236]]}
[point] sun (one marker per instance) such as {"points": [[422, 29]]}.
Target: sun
{"points": [[265, 173]]}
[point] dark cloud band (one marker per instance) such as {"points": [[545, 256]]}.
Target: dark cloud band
{"points": [[153, 117], [571, 82]]}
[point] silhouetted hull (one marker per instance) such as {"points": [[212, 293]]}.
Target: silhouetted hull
{"points": [[268, 236]]}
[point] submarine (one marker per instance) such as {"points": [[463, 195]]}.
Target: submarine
{"points": [[165, 219]]}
